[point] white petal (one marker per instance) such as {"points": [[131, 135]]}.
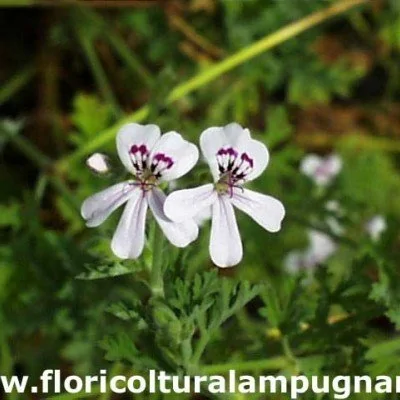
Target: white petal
{"points": [[215, 138], [183, 154], [180, 234], [98, 163], [202, 216], [131, 134], [225, 244], [293, 262], [128, 240], [187, 203], [97, 208], [310, 164], [376, 226], [321, 246], [265, 210], [335, 163], [258, 152]]}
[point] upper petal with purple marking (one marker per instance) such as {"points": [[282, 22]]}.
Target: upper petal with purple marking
{"points": [[134, 144], [231, 151], [172, 157]]}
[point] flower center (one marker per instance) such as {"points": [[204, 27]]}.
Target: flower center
{"points": [[234, 167], [149, 170]]}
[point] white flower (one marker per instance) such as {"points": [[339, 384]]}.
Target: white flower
{"points": [[376, 226], [320, 248], [99, 163], [334, 207], [234, 159], [151, 159], [321, 169]]}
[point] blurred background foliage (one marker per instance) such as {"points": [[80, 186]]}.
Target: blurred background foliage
{"points": [[71, 72]]}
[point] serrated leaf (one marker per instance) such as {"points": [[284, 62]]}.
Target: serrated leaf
{"points": [[109, 271]]}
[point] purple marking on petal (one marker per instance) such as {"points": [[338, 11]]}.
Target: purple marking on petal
{"points": [[159, 157], [134, 149], [161, 162], [169, 162], [143, 149], [232, 152], [245, 157]]}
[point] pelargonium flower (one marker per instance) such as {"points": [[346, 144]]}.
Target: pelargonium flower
{"points": [[234, 159], [151, 158], [321, 170], [320, 248], [375, 227]]}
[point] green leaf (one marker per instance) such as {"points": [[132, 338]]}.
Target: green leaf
{"points": [[109, 270], [90, 117]]}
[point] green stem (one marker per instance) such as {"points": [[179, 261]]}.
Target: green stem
{"points": [[201, 345], [216, 70], [98, 71], [157, 278], [44, 163], [17, 82], [271, 364], [119, 45], [31, 151]]}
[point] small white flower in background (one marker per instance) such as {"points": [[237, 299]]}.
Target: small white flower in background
{"points": [[320, 248], [99, 163], [334, 207], [151, 158], [234, 159], [375, 227], [322, 170]]}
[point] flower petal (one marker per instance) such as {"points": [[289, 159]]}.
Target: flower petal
{"points": [[184, 155], [187, 203], [99, 163], [265, 210], [237, 137], [258, 152], [97, 208], [135, 134], [321, 247], [180, 234], [225, 244], [334, 164], [310, 164], [129, 237], [215, 138]]}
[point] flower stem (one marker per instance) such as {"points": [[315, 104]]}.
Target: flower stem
{"points": [[98, 71], [17, 82], [156, 279]]}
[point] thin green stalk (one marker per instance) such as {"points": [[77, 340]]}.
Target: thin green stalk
{"points": [[16, 83], [125, 53], [98, 71], [44, 163], [157, 278], [271, 364], [40, 187], [31, 151], [119, 45], [205, 337], [216, 70]]}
